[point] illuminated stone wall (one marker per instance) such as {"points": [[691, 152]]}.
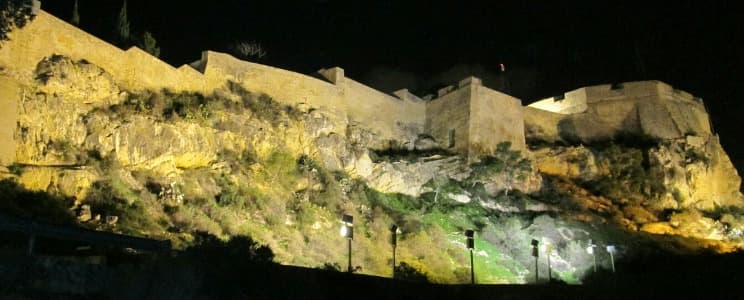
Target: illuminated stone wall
{"points": [[390, 118], [448, 118], [650, 108], [496, 117], [9, 96], [476, 118], [134, 69], [569, 103]]}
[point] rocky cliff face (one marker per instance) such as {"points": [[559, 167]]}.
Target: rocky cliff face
{"points": [[232, 163]]}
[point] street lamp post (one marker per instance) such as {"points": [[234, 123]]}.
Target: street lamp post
{"points": [[611, 250], [590, 250], [548, 249], [535, 243], [471, 245], [394, 242], [347, 231]]}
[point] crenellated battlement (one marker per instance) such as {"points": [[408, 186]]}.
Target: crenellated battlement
{"points": [[652, 109], [578, 100]]}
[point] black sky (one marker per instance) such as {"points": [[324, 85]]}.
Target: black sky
{"points": [[548, 48]]}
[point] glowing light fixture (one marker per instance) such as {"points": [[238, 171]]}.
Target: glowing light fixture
{"points": [[612, 250], [590, 250], [347, 231], [548, 248]]}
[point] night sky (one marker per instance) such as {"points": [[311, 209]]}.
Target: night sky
{"points": [[390, 44]]}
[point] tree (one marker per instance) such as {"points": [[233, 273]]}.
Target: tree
{"points": [[14, 14], [122, 25], [406, 272], [150, 45], [504, 160], [250, 50], [75, 20]]}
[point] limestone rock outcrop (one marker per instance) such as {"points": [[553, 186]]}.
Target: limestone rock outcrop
{"points": [[410, 177]]}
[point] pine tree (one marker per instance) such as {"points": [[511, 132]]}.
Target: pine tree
{"points": [[75, 14], [150, 45], [122, 25]]}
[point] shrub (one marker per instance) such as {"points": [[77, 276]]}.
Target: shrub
{"points": [[406, 272], [503, 160], [629, 174], [112, 197], [15, 168], [18, 201]]}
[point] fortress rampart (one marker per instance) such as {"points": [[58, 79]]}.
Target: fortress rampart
{"points": [[134, 69], [468, 118], [578, 100], [473, 118], [646, 108], [389, 117]]}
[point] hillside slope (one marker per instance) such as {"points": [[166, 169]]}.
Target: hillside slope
{"points": [[168, 165]]}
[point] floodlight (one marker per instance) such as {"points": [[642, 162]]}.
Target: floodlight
{"points": [[471, 245], [348, 219], [469, 239], [590, 251], [611, 249], [394, 235], [347, 231]]}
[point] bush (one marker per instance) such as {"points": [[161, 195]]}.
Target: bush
{"points": [[15, 168], [19, 202], [629, 174], [112, 197], [406, 272]]}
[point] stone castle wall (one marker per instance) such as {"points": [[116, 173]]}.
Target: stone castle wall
{"points": [[647, 108], [496, 117], [448, 119], [134, 69], [473, 119], [470, 118], [389, 117]]}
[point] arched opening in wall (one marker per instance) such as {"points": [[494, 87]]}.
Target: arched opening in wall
{"points": [[451, 143]]}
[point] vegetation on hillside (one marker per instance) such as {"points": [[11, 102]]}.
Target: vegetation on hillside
{"points": [[288, 201], [13, 14], [266, 180]]}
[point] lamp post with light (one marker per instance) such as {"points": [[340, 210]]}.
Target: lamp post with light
{"points": [[548, 249], [347, 231], [470, 242], [611, 250], [536, 253], [394, 242], [590, 250]]}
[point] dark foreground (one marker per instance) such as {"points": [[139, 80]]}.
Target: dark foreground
{"points": [[223, 275]]}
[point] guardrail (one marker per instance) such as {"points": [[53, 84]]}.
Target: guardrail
{"points": [[64, 232]]}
